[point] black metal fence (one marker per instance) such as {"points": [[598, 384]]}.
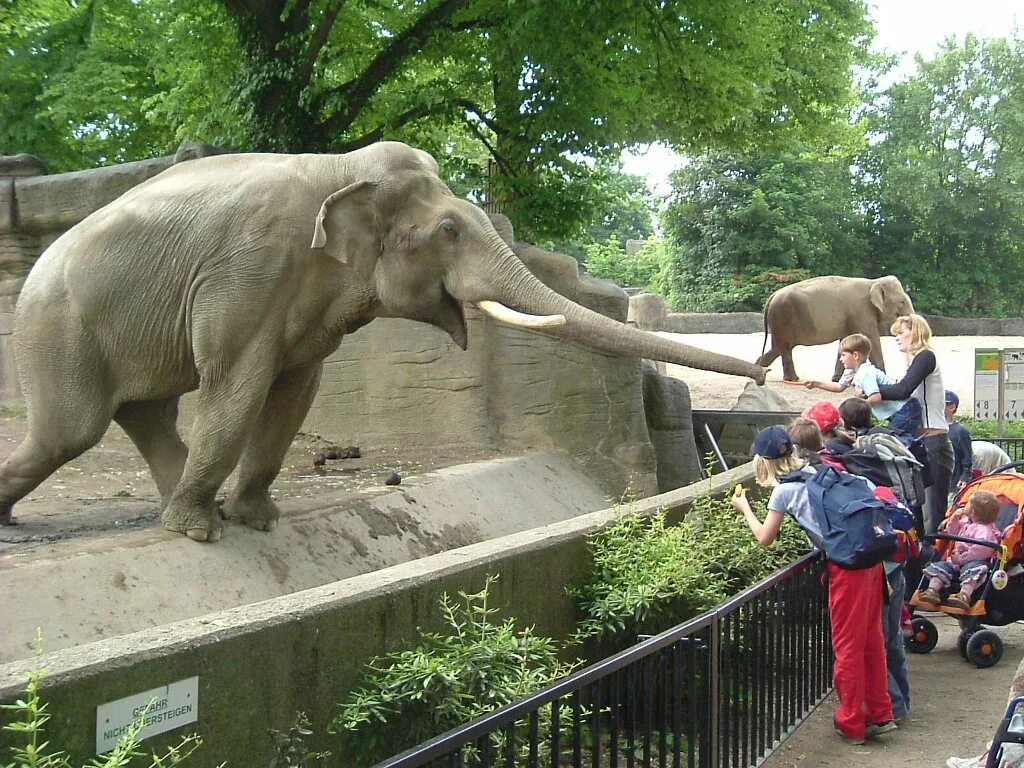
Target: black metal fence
{"points": [[720, 690]]}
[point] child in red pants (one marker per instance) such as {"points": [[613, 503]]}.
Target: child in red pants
{"points": [[855, 596]]}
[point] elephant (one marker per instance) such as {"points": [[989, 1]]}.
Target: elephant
{"points": [[825, 309], [236, 275]]}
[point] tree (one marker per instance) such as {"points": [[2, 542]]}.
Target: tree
{"points": [[942, 179], [742, 225], [544, 88]]}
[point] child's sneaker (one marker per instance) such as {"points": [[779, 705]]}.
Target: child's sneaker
{"points": [[851, 740], [930, 596], [959, 600], [877, 729]]}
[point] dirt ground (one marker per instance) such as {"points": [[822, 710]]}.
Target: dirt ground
{"points": [[955, 709], [75, 503]]}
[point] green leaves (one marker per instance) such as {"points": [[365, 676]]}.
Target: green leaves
{"points": [[649, 576], [477, 664]]}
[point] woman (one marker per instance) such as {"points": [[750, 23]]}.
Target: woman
{"points": [[923, 382]]}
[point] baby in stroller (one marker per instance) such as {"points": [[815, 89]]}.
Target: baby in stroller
{"points": [[968, 562]]}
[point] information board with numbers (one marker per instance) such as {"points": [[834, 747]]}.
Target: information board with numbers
{"points": [[1013, 384], [987, 372], [999, 384]]}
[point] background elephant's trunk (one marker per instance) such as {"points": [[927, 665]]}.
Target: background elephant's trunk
{"points": [[524, 292]]}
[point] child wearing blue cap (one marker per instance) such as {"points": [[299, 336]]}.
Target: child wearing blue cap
{"points": [[859, 674]]}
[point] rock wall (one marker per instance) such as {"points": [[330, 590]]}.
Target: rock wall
{"points": [[399, 383]]}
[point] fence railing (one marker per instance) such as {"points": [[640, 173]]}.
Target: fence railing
{"points": [[723, 689]]}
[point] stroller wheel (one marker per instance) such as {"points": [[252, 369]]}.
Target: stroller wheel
{"points": [[924, 638], [984, 648], [961, 642]]}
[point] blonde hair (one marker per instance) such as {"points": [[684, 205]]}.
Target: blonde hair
{"points": [[806, 435], [856, 342], [920, 331], [984, 507], [768, 471]]}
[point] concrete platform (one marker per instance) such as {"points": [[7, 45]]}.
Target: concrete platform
{"points": [[102, 585]]}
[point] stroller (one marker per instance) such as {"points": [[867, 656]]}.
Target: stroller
{"points": [[1000, 601]]}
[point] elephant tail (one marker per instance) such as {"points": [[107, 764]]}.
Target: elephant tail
{"points": [[764, 344]]}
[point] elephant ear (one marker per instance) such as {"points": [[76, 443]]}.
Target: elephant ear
{"points": [[880, 291], [347, 227]]}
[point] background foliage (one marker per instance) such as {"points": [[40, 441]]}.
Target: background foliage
{"points": [[799, 162]]}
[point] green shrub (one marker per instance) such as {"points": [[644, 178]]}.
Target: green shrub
{"points": [[981, 429], [649, 576], [477, 665]]}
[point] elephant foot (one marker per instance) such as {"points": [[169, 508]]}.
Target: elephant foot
{"points": [[7, 513], [199, 523], [254, 508]]}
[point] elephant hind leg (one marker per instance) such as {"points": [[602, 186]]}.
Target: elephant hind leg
{"points": [[786, 353], [152, 426], [282, 415], [45, 449], [767, 358]]}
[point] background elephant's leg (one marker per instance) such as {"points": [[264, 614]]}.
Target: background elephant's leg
{"points": [[837, 374], [788, 369], [286, 406], [152, 426], [767, 358], [876, 355], [225, 413]]}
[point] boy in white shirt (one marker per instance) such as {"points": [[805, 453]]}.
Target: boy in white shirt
{"points": [[903, 416]]}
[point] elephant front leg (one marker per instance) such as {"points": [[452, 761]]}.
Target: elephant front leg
{"points": [[225, 413], [285, 409]]}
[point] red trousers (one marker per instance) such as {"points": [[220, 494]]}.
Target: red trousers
{"points": [[859, 675]]}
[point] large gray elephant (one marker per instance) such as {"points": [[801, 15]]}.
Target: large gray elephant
{"points": [[825, 309], [237, 275]]}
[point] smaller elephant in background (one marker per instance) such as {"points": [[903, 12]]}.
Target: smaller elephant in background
{"points": [[825, 309]]}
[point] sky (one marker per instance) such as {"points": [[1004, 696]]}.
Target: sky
{"points": [[904, 27]]}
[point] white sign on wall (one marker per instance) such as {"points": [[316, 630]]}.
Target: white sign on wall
{"points": [[987, 364], [172, 706]]}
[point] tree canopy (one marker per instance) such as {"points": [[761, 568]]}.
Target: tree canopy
{"points": [[525, 94], [932, 194]]}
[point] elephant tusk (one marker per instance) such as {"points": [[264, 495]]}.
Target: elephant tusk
{"points": [[500, 312]]}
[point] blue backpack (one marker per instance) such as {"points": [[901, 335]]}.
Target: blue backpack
{"points": [[855, 525]]}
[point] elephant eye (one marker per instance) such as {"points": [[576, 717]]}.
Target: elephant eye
{"points": [[449, 226]]}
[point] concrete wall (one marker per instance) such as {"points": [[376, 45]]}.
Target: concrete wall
{"points": [[753, 322], [260, 664]]}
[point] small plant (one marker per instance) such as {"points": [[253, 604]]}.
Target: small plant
{"points": [[290, 749], [31, 718], [649, 575], [477, 665]]}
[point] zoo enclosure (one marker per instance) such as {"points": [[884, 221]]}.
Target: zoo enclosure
{"points": [[723, 689]]}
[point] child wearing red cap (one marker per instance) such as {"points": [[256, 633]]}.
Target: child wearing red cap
{"points": [[855, 596]]}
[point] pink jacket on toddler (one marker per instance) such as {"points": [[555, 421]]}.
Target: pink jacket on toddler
{"points": [[964, 552]]}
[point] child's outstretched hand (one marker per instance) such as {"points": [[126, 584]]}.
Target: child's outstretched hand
{"points": [[739, 498]]}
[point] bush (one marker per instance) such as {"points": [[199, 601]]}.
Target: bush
{"points": [[649, 576], [478, 665]]}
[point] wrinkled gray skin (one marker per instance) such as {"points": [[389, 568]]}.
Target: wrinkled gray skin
{"points": [[825, 309], [237, 275]]}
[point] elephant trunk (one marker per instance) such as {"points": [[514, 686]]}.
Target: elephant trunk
{"points": [[519, 288]]}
